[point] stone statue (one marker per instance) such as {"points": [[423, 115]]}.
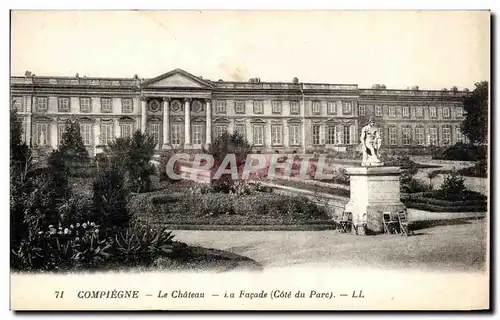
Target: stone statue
{"points": [[370, 144]]}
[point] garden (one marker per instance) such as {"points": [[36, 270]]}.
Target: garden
{"points": [[70, 212]]}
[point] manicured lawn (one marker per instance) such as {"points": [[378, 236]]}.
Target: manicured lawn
{"points": [[460, 247]]}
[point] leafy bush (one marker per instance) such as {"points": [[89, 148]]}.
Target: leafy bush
{"points": [[461, 152], [133, 155], [110, 200], [412, 185], [453, 184]]}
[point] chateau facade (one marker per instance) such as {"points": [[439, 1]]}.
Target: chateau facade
{"points": [[183, 111]]}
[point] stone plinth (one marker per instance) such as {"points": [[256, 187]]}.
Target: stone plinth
{"points": [[374, 190]]}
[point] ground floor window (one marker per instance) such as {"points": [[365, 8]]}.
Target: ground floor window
{"points": [[460, 135], [61, 127], [419, 136], [393, 137], [127, 130], [330, 137], [86, 133], [220, 130], [294, 135], [446, 135], [277, 135], [154, 131], [258, 135], [42, 134], [175, 134], [106, 135], [197, 130], [406, 136], [240, 128], [316, 129], [433, 136]]}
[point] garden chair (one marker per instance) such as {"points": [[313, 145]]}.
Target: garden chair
{"points": [[403, 223], [345, 222], [390, 224]]}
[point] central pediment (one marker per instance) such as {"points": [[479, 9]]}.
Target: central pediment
{"points": [[177, 79]]}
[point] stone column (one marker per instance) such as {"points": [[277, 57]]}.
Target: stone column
{"points": [[166, 123], [208, 126], [187, 121], [144, 114]]}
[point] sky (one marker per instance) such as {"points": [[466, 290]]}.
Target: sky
{"points": [[431, 49]]}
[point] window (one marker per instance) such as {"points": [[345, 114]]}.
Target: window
{"points": [[258, 107], [419, 112], [446, 112], [276, 106], [406, 136], [277, 135], [339, 135], [61, 128], [392, 111], [446, 135], [220, 130], [347, 107], [106, 105], [393, 139], [63, 105], [316, 108], [362, 111], [220, 106], [85, 105], [294, 107], [432, 112], [127, 105], [42, 134], [240, 128], [86, 133], [460, 135], [316, 134], [331, 107], [294, 135], [127, 130], [42, 104], [330, 137], [258, 135], [406, 112], [17, 103], [239, 106], [175, 134], [106, 135], [347, 135], [197, 130], [460, 112], [378, 111], [419, 136], [154, 131], [433, 136]]}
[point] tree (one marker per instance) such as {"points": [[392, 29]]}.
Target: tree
{"points": [[475, 125], [133, 157], [72, 143], [226, 144], [19, 151]]}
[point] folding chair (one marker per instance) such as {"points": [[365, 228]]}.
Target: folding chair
{"points": [[403, 223], [390, 225], [345, 222]]}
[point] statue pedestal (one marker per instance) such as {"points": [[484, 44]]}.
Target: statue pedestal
{"points": [[374, 190]]}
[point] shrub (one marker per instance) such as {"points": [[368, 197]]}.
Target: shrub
{"points": [[461, 152], [480, 170], [134, 156], [453, 184], [110, 200], [412, 185]]}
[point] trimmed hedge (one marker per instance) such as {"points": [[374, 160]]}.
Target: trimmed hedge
{"points": [[461, 152]]}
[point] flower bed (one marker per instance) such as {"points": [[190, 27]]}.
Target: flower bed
{"points": [[226, 209]]}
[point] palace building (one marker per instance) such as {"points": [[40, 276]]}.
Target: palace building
{"points": [[183, 111]]}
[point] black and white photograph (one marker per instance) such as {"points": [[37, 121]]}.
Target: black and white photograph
{"points": [[249, 160]]}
